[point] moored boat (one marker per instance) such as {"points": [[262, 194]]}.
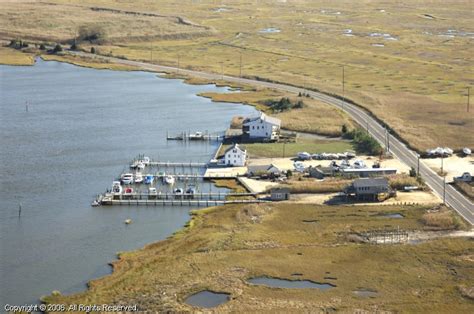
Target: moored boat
{"points": [[116, 187], [169, 179], [127, 178], [149, 179], [138, 178]]}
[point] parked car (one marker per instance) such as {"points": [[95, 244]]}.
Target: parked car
{"points": [[303, 156], [465, 177]]}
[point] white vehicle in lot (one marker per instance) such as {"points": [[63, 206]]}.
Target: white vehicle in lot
{"points": [[465, 177], [299, 166], [304, 156], [359, 164]]}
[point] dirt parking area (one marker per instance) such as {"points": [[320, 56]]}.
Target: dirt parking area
{"points": [[287, 163], [414, 197], [256, 186], [453, 166]]}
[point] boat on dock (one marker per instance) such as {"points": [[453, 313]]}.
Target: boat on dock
{"points": [[178, 192], [138, 178], [196, 136], [127, 178], [168, 179], [116, 187], [149, 179]]}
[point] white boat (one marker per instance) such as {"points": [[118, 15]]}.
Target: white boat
{"points": [[116, 187], [466, 151], [152, 191], [196, 136], [168, 179], [127, 178], [138, 178], [140, 165], [145, 160], [128, 221]]}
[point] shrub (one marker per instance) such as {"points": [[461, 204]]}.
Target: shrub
{"points": [[92, 50], [284, 104], [344, 129], [400, 181], [91, 33], [57, 48], [42, 47], [364, 143], [74, 46]]}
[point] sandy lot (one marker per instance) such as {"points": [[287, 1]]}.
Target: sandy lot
{"points": [[454, 165], [287, 163], [414, 197], [225, 172], [256, 186]]}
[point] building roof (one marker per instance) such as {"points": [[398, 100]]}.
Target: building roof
{"points": [[265, 118], [370, 182], [280, 190], [235, 146]]}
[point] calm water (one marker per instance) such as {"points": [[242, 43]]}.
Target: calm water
{"points": [[207, 299], [292, 284], [82, 128]]}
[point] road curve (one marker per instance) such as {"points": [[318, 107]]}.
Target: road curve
{"points": [[453, 198]]}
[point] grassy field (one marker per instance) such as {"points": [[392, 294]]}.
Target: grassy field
{"points": [[224, 246], [14, 57], [291, 149], [410, 63]]}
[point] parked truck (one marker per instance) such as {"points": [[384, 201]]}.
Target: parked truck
{"points": [[465, 177]]}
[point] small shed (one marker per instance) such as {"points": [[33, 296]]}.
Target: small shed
{"points": [[320, 172], [280, 194]]}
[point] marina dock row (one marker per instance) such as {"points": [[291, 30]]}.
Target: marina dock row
{"points": [[181, 202]]}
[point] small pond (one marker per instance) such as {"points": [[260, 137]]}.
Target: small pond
{"points": [[207, 299], [393, 215], [365, 293], [286, 283], [270, 30]]}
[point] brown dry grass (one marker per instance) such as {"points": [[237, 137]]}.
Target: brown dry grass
{"points": [[440, 220], [311, 186], [15, 57], [224, 246], [417, 83]]}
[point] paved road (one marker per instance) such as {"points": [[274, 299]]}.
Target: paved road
{"points": [[453, 198]]}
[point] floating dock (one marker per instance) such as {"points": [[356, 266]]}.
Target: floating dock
{"points": [[198, 136], [198, 199]]}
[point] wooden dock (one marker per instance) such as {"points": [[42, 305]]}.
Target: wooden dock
{"points": [[178, 164], [197, 200], [198, 136]]}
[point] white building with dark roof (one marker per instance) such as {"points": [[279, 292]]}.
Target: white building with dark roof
{"points": [[235, 156], [262, 127]]}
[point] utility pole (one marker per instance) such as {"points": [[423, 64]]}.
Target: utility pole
{"points": [[442, 165], [444, 190], [240, 68], [388, 140]]}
